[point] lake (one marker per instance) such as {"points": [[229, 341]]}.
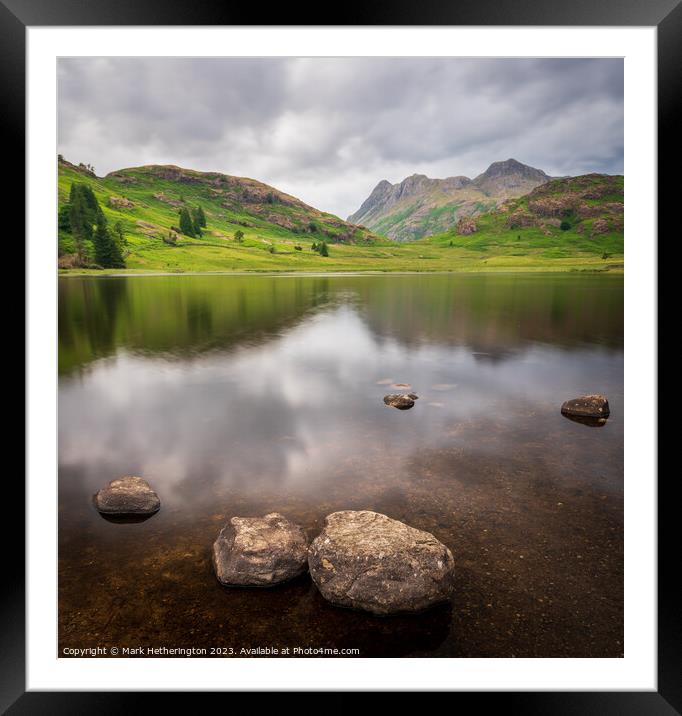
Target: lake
{"points": [[242, 395]]}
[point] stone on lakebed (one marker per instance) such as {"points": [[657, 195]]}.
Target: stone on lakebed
{"points": [[587, 406], [127, 495], [366, 560], [402, 401], [260, 551]]}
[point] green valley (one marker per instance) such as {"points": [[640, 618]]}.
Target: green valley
{"points": [[155, 216]]}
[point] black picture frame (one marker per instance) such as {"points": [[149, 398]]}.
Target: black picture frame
{"points": [[17, 15]]}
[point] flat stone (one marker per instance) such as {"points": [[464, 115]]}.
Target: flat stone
{"points": [[127, 495], [366, 560], [260, 551], [587, 406], [402, 401]]}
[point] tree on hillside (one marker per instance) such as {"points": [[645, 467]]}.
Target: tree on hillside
{"points": [[83, 197], [239, 236], [63, 218], [119, 237], [79, 221], [323, 250], [186, 223], [198, 220], [84, 219], [201, 216], [107, 253]]}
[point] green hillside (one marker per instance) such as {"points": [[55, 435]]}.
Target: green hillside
{"points": [[146, 203], [278, 231], [565, 218]]}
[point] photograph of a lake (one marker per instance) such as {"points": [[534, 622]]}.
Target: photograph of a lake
{"points": [[243, 395]]}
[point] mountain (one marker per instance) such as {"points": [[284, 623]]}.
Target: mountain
{"points": [[419, 206], [146, 202]]}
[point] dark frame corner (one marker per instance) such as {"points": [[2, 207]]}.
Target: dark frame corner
{"points": [[666, 15]]}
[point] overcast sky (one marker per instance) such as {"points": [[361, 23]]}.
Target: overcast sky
{"points": [[328, 130]]}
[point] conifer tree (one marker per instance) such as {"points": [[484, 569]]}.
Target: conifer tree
{"points": [[80, 228], [107, 252], [196, 221], [201, 216], [119, 237], [186, 223]]}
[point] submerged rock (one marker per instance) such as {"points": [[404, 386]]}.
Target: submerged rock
{"points": [[366, 560], [127, 495], [402, 401], [259, 551], [587, 406]]}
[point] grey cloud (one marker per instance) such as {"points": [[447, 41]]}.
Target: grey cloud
{"points": [[327, 130]]}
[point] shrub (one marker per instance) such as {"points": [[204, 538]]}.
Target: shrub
{"points": [[565, 225]]}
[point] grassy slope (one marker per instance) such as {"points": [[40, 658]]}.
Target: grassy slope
{"points": [[502, 240], [492, 248]]}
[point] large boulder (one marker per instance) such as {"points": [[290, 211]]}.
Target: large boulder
{"points": [[587, 406], [466, 226], [366, 560], [120, 202], [127, 495], [260, 551], [402, 401]]}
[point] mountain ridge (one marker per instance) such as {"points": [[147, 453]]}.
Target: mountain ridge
{"points": [[420, 205]]}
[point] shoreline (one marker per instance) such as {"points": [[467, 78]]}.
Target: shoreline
{"points": [[123, 273]]}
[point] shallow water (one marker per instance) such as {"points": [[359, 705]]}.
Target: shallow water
{"points": [[240, 395]]}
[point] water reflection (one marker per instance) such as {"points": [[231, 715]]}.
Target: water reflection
{"points": [[586, 420], [285, 413], [190, 315], [243, 395]]}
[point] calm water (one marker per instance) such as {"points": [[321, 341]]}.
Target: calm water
{"points": [[244, 395]]}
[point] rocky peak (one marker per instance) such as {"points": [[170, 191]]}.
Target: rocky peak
{"points": [[511, 167], [509, 177]]}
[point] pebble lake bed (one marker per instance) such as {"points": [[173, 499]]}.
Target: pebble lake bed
{"points": [[246, 397]]}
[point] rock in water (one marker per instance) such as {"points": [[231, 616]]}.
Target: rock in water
{"points": [[402, 401], [366, 560], [128, 495], [260, 551], [587, 406]]}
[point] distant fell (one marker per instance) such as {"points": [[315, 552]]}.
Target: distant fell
{"points": [[419, 206]]}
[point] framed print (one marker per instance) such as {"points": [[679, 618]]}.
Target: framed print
{"points": [[330, 353]]}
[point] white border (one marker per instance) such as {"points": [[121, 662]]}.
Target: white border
{"points": [[637, 671]]}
